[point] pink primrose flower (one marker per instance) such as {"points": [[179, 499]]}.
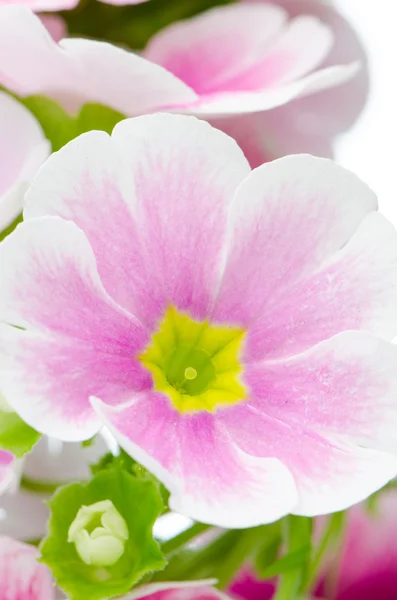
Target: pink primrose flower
{"points": [[231, 327]]}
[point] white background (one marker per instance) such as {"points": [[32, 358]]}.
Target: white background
{"points": [[370, 147]]}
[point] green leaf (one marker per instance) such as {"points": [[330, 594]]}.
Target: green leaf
{"points": [[297, 537], [57, 125], [97, 116], [332, 535], [138, 502], [268, 549], [60, 127], [15, 435], [289, 561]]}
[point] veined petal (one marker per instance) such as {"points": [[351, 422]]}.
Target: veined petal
{"points": [[23, 148], [76, 341], [209, 478], [355, 289], [21, 575], [152, 201], [345, 386], [289, 220], [330, 474]]}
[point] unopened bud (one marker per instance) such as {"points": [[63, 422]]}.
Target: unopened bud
{"points": [[99, 534]]}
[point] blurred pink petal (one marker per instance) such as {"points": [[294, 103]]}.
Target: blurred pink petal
{"points": [[366, 569], [123, 2], [7, 461], [309, 124], [44, 5], [55, 25], [21, 575], [23, 148], [177, 590], [276, 65]]}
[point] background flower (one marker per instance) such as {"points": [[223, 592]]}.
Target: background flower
{"points": [[363, 569], [23, 148], [309, 124], [271, 68], [21, 576]]}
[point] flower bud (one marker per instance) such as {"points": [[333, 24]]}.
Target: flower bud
{"points": [[99, 533]]}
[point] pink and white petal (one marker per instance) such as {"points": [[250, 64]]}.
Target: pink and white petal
{"points": [[78, 71], [21, 575], [336, 109], [345, 386], [55, 25], [178, 590], [139, 197], [210, 479], [299, 49], [123, 2], [30, 60], [242, 102], [330, 474], [123, 80], [23, 148], [77, 342], [219, 44], [355, 289], [270, 135], [7, 461], [287, 218]]}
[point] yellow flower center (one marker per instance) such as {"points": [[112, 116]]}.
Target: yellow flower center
{"points": [[195, 363]]}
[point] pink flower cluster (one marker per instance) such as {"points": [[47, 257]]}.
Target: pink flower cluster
{"points": [[167, 213], [229, 323]]}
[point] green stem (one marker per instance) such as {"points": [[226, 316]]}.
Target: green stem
{"points": [[297, 534], [39, 487], [237, 555], [331, 534], [185, 536]]}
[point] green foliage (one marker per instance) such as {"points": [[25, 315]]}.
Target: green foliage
{"points": [[293, 566], [15, 435], [60, 128], [138, 502], [124, 461], [132, 25]]}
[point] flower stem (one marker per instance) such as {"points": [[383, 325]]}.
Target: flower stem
{"points": [[175, 543], [332, 533]]}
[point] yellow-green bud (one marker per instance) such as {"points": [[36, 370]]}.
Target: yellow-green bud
{"points": [[99, 534]]}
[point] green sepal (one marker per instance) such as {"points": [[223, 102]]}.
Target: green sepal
{"points": [[15, 435], [124, 461], [138, 501], [60, 128], [10, 228]]}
